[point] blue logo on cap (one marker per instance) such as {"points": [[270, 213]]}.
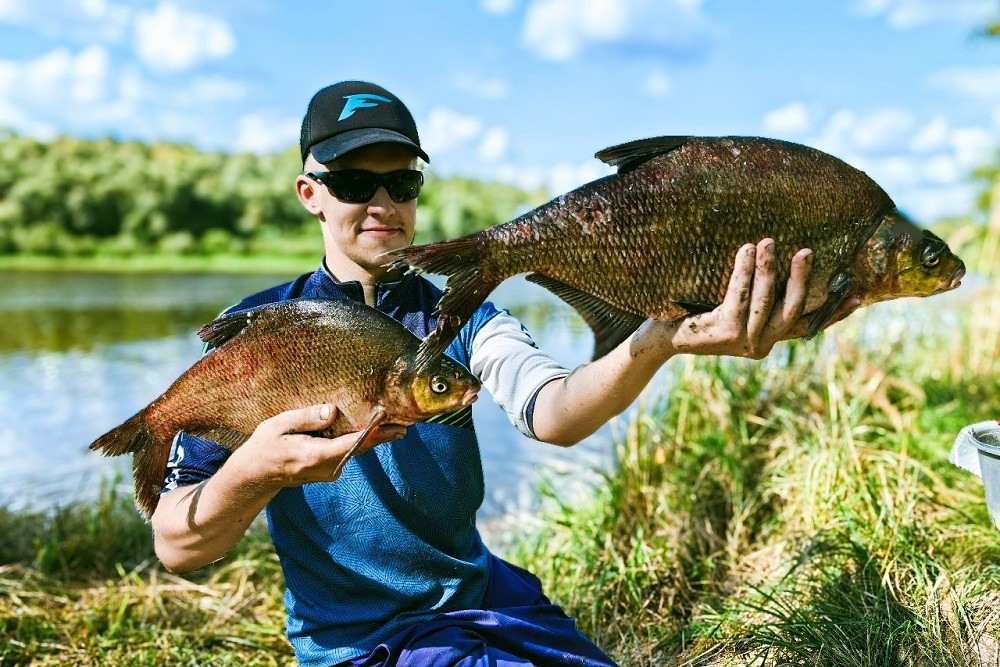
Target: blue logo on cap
{"points": [[360, 101]]}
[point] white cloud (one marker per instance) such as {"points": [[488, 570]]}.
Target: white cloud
{"points": [[848, 132], [87, 20], [14, 11], [972, 146], [497, 6], [657, 84], [57, 79], [493, 145], [444, 129], [942, 170], [562, 29], [903, 14], [13, 118], [208, 89], [490, 88], [932, 136], [791, 119], [978, 83], [555, 179], [173, 39], [566, 176], [923, 166], [83, 92], [265, 132]]}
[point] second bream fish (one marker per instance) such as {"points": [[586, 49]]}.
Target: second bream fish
{"points": [[288, 355], [658, 239]]}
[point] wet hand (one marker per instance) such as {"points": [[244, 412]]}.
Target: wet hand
{"points": [[284, 451]]}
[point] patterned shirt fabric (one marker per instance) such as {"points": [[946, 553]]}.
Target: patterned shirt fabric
{"points": [[393, 542]]}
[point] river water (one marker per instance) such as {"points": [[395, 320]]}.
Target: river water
{"points": [[82, 352]]}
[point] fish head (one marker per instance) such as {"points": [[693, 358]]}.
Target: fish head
{"points": [[925, 265], [416, 392]]}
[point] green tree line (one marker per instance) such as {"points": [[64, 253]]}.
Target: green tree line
{"points": [[84, 197]]}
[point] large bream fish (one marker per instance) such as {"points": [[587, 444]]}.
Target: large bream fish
{"points": [[283, 356], [658, 239]]}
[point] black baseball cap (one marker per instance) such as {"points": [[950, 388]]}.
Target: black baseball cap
{"points": [[352, 114]]}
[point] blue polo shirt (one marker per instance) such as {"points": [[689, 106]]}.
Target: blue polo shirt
{"points": [[393, 541]]}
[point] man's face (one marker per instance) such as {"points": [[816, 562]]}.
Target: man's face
{"points": [[359, 233]]}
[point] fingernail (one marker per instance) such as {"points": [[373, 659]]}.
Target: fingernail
{"points": [[324, 412]]}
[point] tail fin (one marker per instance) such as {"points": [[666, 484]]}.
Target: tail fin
{"points": [[149, 460], [467, 287]]}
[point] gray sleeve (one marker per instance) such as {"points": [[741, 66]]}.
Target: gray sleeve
{"points": [[511, 368]]}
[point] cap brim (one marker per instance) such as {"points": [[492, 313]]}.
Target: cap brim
{"points": [[335, 147]]}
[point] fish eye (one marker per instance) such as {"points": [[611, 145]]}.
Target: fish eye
{"points": [[439, 384], [931, 258]]}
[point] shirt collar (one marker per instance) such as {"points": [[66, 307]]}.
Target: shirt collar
{"points": [[386, 293]]}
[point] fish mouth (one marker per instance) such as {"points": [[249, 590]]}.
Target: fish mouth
{"points": [[956, 278], [470, 396]]}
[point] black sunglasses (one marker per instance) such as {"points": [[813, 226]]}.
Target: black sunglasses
{"points": [[358, 186]]}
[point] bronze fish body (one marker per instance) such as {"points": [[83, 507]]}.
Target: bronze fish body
{"points": [[658, 239], [283, 356]]}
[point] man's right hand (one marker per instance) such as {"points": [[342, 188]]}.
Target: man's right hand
{"points": [[283, 451], [198, 524]]}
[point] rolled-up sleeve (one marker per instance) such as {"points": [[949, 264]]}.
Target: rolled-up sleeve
{"points": [[512, 368]]}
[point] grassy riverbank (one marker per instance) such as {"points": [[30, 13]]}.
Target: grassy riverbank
{"points": [[799, 511]]}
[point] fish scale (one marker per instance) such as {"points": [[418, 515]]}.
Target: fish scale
{"points": [[658, 239]]}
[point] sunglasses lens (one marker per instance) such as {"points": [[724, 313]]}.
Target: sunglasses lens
{"points": [[403, 185], [358, 186], [352, 185]]}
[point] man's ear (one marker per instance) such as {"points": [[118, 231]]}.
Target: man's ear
{"points": [[306, 189]]}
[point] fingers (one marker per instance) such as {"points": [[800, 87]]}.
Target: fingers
{"points": [[797, 288], [786, 321], [737, 299], [300, 420], [762, 292]]}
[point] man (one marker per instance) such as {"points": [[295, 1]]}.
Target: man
{"points": [[384, 564]]}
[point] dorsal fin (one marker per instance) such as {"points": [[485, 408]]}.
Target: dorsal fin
{"points": [[227, 326], [630, 155], [278, 314], [610, 324]]}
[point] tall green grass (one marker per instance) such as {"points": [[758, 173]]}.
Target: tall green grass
{"points": [[800, 511]]}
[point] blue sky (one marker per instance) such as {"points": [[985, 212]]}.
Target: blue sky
{"points": [[527, 91]]}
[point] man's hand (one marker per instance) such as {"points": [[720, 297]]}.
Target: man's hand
{"points": [[750, 319], [196, 525], [282, 452]]}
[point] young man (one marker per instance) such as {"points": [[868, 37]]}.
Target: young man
{"points": [[384, 565]]}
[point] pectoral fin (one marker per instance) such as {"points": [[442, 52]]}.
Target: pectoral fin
{"points": [[378, 417], [610, 324], [840, 285]]}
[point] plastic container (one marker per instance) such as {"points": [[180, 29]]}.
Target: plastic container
{"points": [[977, 449]]}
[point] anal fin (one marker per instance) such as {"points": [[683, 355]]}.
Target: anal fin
{"points": [[696, 307], [611, 325]]}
